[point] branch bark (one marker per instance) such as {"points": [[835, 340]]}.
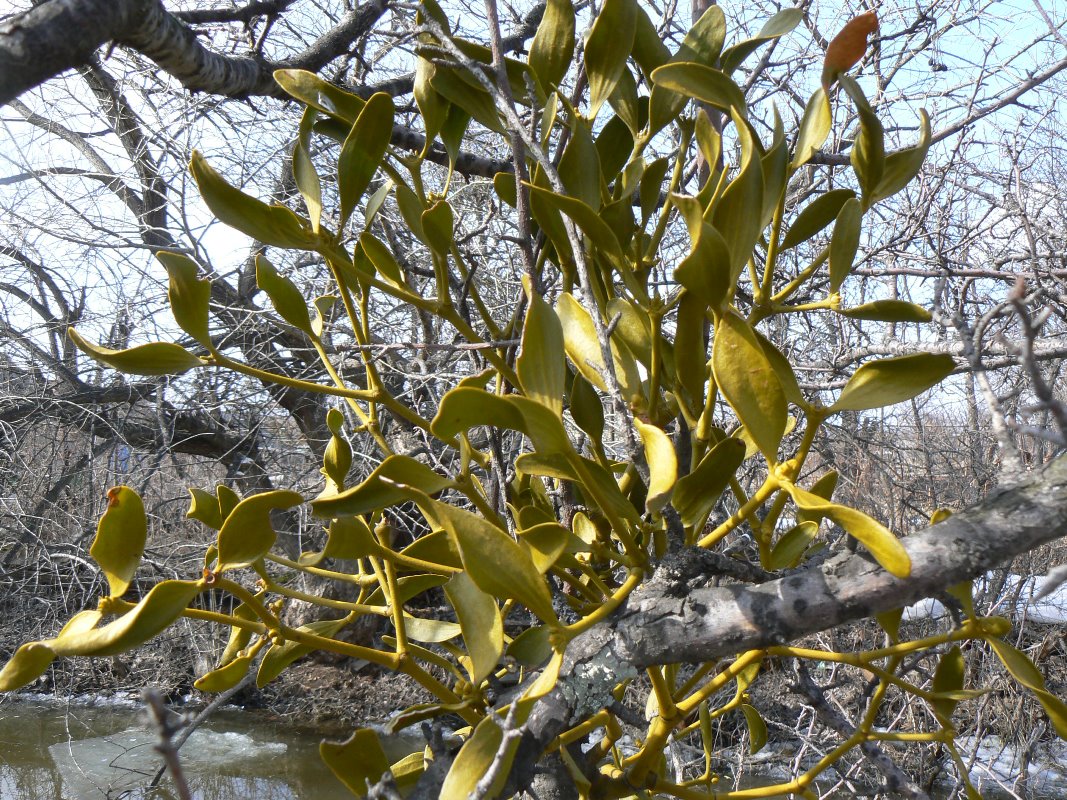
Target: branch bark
{"points": [[662, 625]]}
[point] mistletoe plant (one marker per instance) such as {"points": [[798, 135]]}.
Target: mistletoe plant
{"points": [[643, 386]]}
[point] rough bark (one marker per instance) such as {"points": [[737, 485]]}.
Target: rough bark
{"points": [[667, 622]]}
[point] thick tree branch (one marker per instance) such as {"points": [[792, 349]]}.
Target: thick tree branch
{"points": [[660, 625]]}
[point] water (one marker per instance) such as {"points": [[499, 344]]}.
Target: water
{"points": [[59, 752]]}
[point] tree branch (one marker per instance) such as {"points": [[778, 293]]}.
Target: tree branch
{"points": [[660, 625]]}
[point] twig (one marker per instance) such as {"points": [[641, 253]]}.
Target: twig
{"points": [[167, 725]]}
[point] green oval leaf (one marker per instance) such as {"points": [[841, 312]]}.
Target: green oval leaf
{"points": [[662, 465], [948, 678], [270, 224], [541, 367], [749, 383], [757, 728], [788, 550], [349, 538], [381, 488], [703, 83], [311, 90], [437, 223], [363, 150], [247, 534], [814, 128], [357, 762], [888, 311], [120, 538], [1024, 671], [474, 760], [156, 611], [479, 619], [280, 656], [188, 296], [157, 358], [901, 167], [27, 664], [552, 47], [225, 677], [697, 493], [737, 214], [845, 242], [815, 216], [879, 540], [204, 506], [777, 26], [495, 562], [304, 173], [893, 380], [284, 296], [607, 48]]}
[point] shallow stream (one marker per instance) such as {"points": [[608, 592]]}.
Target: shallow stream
{"points": [[78, 752]]}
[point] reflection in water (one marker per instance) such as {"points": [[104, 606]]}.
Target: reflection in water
{"points": [[52, 752]]}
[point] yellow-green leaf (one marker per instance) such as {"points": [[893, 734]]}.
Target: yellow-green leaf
{"points": [[430, 631], [545, 542], [553, 45], [948, 678], [358, 760], [868, 151], [479, 619], [607, 48], [247, 534], [383, 487], [815, 216], [437, 225], [814, 128], [902, 166], [349, 538], [337, 459], [845, 242], [541, 366], [893, 380], [204, 506], [382, 258], [270, 224], [777, 26], [1024, 671], [737, 214], [225, 677], [363, 151], [788, 550], [284, 296], [757, 728], [304, 174], [698, 492], [586, 408], [888, 311], [583, 348], [495, 562], [824, 488], [157, 358], [879, 540], [156, 611], [473, 762], [662, 465], [749, 383], [27, 664], [120, 538], [188, 295], [532, 647], [280, 656], [311, 90], [703, 83]]}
